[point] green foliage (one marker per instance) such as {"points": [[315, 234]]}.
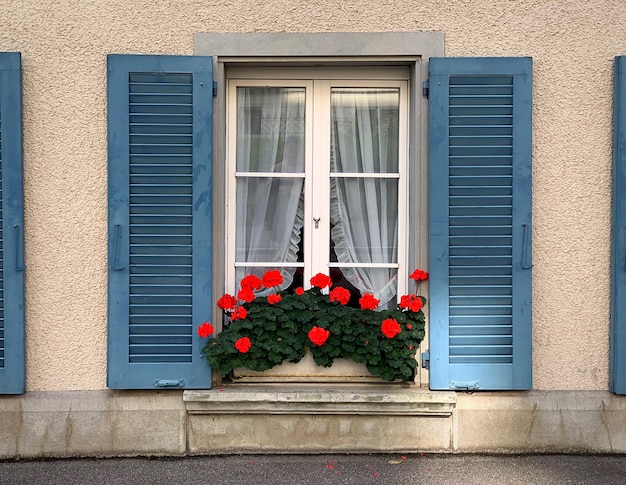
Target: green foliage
{"points": [[280, 332]]}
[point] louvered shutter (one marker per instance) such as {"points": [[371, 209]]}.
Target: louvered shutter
{"points": [[480, 223], [11, 236], [160, 127], [618, 256]]}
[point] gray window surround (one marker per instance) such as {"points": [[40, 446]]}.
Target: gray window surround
{"points": [[413, 49]]}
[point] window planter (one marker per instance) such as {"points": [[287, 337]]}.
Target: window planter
{"points": [[265, 331]]}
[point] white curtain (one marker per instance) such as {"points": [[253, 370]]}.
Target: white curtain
{"points": [[270, 210], [364, 210]]}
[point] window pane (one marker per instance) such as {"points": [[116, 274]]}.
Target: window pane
{"points": [[381, 282], [269, 219], [364, 220], [270, 129], [292, 277], [364, 130]]}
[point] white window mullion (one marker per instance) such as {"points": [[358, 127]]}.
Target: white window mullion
{"points": [[318, 220]]}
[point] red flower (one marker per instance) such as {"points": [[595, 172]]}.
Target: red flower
{"points": [[205, 329], [368, 302], [243, 344], [411, 302], [318, 335], [272, 278], [239, 313], [299, 291], [246, 294], [419, 275], [390, 328], [321, 280], [273, 298], [340, 294], [251, 281], [409, 326], [227, 302]]}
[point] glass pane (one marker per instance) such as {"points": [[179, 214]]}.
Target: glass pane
{"points": [[270, 129], [364, 130], [292, 277], [269, 219], [381, 282], [364, 220]]}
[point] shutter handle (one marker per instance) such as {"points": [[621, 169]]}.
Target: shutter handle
{"points": [[116, 249], [19, 248], [526, 248]]}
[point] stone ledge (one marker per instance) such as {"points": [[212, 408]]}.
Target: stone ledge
{"points": [[388, 400]]}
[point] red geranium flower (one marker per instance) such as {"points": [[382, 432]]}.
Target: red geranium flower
{"points": [[205, 329], [368, 302], [390, 328], [251, 281], [340, 294], [299, 291], [419, 275], [273, 298], [318, 335], [246, 294], [272, 278], [411, 302], [239, 313], [321, 280], [243, 344], [227, 302]]}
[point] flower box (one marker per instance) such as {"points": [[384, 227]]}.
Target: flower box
{"points": [[266, 331]]}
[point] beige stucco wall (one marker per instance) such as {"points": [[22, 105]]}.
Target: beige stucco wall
{"points": [[64, 44]]}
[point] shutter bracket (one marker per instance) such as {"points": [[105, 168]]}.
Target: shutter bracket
{"points": [[425, 88], [214, 89], [169, 383], [469, 386], [426, 360]]}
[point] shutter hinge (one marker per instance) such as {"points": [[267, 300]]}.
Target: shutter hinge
{"points": [[426, 360], [214, 89], [169, 383], [465, 386], [425, 87]]}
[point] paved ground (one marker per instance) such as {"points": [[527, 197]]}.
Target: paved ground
{"points": [[323, 469]]}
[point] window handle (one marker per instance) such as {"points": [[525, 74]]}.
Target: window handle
{"points": [[526, 248], [317, 222], [19, 248], [116, 244]]}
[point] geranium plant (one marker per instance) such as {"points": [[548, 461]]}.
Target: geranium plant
{"points": [[264, 331]]}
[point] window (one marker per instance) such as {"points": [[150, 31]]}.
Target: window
{"points": [[12, 377], [462, 180], [318, 180]]}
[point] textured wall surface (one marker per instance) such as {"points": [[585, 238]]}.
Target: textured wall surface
{"points": [[64, 44]]}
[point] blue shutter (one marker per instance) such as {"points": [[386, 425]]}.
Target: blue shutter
{"points": [[160, 143], [480, 223], [618, 256], [11, 237]]}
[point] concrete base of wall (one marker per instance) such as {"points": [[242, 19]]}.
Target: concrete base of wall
{"points": [[241, 419]]}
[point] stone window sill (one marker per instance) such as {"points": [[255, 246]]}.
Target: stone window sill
{"points": [[389, 400]]}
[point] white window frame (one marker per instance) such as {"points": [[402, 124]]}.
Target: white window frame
{"points": [[318, 82]]}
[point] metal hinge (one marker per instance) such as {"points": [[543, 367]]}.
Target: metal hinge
{"points": [[426, 360], [214, 89], [425, 88], [465, 386]]}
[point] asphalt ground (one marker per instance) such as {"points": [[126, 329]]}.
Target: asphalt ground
{"points": [[323, 469]]}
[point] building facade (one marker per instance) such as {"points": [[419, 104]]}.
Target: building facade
{"points": [[120, 132]]}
